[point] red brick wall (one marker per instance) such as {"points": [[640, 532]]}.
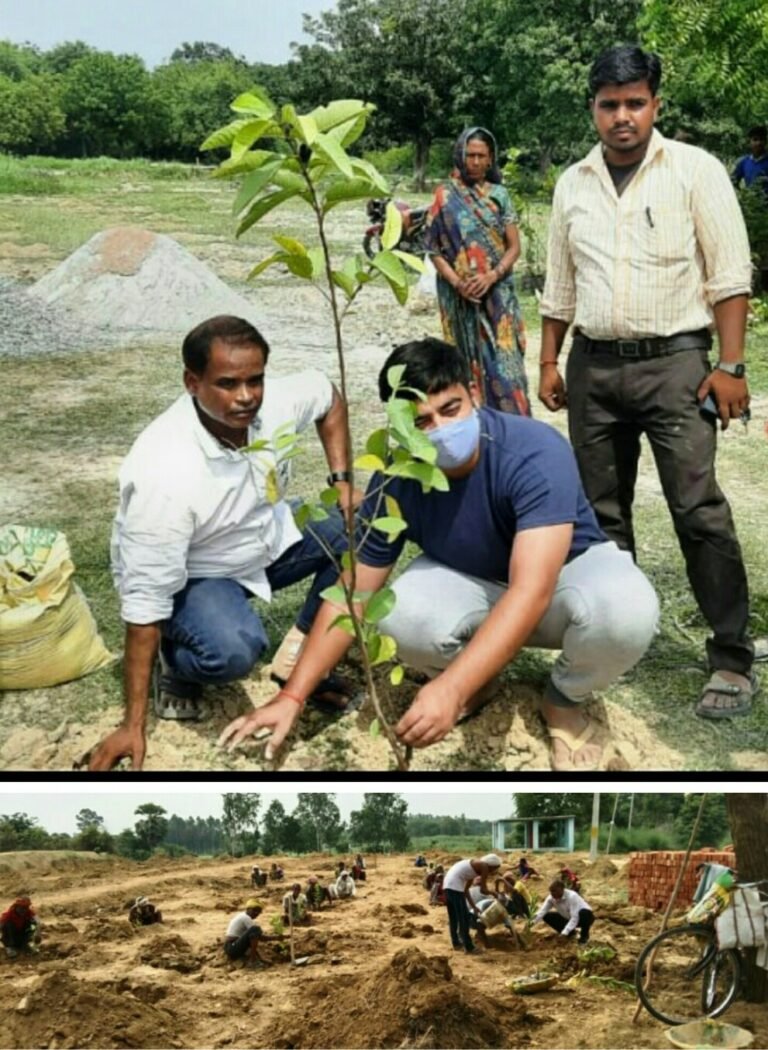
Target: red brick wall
{"points": [[652, 875]]}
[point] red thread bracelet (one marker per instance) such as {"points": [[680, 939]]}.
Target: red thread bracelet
{"points": [[290, 696]]}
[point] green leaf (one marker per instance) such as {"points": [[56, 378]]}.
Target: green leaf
{"points": [[255, 182], [381, 604], [395, 376], [350, 131], [290, 244], [393, 507], [430, 477], [318, 514], [334, 594], [276, 257], [391, 526], [339, 111], [262, 207], [414, 261], [317, 260], [299, 265], [397, 674], [301, 515], [288, 180], [344, 621], [249, 162], [347, 284], [367, 170], [400, 291], [374, 729], [307, 129], [393, 227], [346, 190], [330, 497], [346, 561], [378, 443], [250, 132], [369, 462], [388, 264], [387, 650], [256, 103], [335, 153], [223, 136]]}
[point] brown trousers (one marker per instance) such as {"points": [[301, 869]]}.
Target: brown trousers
{"points": [[611, 402]]}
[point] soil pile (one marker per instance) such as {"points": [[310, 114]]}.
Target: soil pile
{"points": [[170, 952], [130, 278], [59, 1011], [29, 326], [412, 1001]]}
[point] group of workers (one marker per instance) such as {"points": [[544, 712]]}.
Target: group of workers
{"points": [[472, 905], [259, 877]]}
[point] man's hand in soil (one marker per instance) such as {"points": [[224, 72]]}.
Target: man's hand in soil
{"points": [[122, 743], [278, 716], [431, 716]]}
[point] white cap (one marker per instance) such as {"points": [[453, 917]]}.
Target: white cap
{"points": [[491, 860]]}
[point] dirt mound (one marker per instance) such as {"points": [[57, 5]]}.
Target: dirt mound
{"points": [[170, 952], [103, 930], [412, 1001], [60, 1011], [602, 868], [129, 278], [47, 862]]}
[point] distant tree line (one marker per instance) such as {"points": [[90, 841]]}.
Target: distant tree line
{"points": [[430, 66], [314, 825]]}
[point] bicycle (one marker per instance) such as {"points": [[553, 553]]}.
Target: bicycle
{"points": [[691, 976]]}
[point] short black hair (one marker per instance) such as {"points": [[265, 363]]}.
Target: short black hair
{"points": [[196, 348], [759, 131], [558, 884], [431, 365], [623, 65]]}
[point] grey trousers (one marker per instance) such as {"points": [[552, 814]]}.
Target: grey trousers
{"points": [[602, 617]]}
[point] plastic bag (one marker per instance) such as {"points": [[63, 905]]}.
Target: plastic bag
{"points": [[47, 632], [743, 924]]}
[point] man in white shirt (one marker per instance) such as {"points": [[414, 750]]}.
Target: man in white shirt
{"points": [[243, 933], [457, 885], [345, 885], [648, 255], [203, 525], [565, 911]]}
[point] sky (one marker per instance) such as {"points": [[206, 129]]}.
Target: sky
{"points": [[261, 30]]}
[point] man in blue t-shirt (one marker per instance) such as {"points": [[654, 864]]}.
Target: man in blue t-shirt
{"points": [[753, 167], [512, 555]]}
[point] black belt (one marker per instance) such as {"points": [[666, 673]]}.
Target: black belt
{"points": [[642, 349]]}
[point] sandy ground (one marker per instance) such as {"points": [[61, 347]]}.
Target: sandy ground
{"points": [[380, 971]]}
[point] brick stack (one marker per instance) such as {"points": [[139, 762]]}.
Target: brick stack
{"points": [[652, 875]]}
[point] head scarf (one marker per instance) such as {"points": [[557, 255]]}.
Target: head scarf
{"points": [[491, 860], [460, 150], [252, 902], [18, 918]]}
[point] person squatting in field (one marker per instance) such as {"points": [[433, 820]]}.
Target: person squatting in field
{"points": [[512, 556]]}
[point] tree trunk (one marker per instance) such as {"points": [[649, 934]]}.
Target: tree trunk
{"points": [[748, 819], [420, 158]]}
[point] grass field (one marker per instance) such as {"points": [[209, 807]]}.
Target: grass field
{"points": [[66, 421]]}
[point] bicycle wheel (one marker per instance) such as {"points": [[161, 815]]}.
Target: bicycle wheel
{"points": [[689, 977]]}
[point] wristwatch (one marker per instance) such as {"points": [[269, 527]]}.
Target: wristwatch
{"points": [[338, 475], [737, 370]]}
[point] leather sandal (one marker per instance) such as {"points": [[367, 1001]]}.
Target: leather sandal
{"points": [[721, 687], [574, 745], [174, 699]]}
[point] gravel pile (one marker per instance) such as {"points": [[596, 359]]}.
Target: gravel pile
{"points": [[29, 326]]}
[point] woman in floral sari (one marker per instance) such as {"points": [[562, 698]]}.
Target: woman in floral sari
{"points": [[473, 239]]}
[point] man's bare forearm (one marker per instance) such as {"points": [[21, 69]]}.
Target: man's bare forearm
{"points": [[142, 642], [332, 431], [552, 337]]}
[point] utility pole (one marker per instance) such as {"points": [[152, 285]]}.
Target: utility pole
{"points": [[613, 822], [631, 805], [595, 829]]}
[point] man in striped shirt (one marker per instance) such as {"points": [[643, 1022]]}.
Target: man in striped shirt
{"points": [[648, 254]]}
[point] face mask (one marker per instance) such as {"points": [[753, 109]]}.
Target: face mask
{"points": [[456, 442]]}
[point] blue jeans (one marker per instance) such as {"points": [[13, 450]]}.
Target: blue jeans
{"points": [[215, 636]]}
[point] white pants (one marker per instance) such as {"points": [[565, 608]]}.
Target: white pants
{"points": [[602, 617]]}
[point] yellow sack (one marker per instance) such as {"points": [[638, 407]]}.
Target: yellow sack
{"points": [[47, 632]]}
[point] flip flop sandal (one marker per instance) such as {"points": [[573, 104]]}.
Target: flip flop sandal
{"points": [[574, 745], [718, 685], [176, 700]]}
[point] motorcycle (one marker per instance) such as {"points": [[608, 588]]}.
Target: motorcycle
{"points": [[414, 225]]}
